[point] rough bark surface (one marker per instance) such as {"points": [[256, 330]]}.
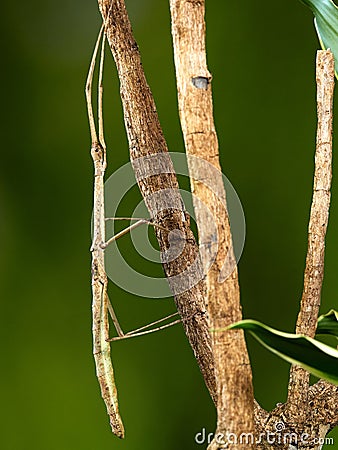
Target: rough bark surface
{"points": [[319, 217], [158, 184], [310, 412], [281, 430], [232, 367]]}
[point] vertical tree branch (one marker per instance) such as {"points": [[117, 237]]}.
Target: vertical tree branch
{"points": [[319, 216], [158, 184], [310, 411], [232, 368]]}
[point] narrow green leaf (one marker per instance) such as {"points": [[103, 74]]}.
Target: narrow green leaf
{"points": [[328, 323], [318, 358], [326, 23]]}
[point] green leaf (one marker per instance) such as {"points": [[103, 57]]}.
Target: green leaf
{"points": [[318, 358], [326, 23], [328, 323]]}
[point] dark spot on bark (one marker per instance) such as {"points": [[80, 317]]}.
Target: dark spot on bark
{"points": [[134, 46], [200, 82]]}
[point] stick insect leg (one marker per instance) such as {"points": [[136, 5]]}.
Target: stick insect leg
{"points": [[139, 331], [100, 94], [123, 232], [142, 330], [130, 228], [151, 324], [115, 320], [148, 221], [134, 333], [89, 90]]}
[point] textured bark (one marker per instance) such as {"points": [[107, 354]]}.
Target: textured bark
{"points": [[235, 401], [310, 412], [158, 184], [280, 430], [319, 216]]}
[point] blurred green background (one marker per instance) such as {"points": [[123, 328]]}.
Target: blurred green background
{"points": [[261, 55]]}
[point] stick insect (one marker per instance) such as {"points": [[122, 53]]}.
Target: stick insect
{"points": [[101, 304], [101, 346]]}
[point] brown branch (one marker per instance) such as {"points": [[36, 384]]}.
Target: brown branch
{"points": [[321, 416], [310, 412], [232, 367], [319, 216], [158, 184], [323, 400]]}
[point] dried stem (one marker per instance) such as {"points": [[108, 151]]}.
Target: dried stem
{"points": [[319, 216], [158, 184], [235, 401]]}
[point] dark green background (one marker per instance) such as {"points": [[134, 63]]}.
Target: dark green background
{"points": [[261, 55]]}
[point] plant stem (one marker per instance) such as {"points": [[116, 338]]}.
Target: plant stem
{"points": [[235, 401], [319, 216]]}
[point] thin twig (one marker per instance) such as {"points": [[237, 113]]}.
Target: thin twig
{"points": [[100, 303], [310, 411], [319, 216]]}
